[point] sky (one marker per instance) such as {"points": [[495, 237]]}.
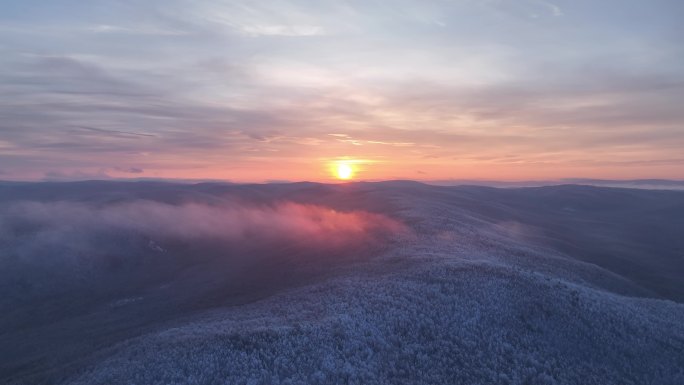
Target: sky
{"points": [[258, 91]]}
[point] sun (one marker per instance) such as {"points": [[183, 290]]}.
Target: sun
{"points": [[344, 171]]}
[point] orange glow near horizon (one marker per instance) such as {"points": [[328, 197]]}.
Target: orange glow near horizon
{"points": [[388, 165], [318, 170]]}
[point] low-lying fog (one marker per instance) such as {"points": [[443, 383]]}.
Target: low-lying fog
{"points": [[50, 247]]}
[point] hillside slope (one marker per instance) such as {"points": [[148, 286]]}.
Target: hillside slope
{"points": [[388, 283]]}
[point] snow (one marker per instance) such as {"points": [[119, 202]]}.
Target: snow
{"points": [[473, 290]]}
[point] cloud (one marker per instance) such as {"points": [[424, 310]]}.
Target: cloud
{"points": [[115, 132], [553, 8], [282, 30], [62, 176], [130, 170], [385, 76], [136, 30]]}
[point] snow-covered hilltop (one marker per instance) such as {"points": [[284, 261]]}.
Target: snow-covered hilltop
{"points": [[363, 283]]}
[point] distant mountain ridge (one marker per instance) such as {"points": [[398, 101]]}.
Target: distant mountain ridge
{"points": [[658, 184]]}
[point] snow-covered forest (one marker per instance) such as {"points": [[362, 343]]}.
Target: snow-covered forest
{"points": [[361, 283]]}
